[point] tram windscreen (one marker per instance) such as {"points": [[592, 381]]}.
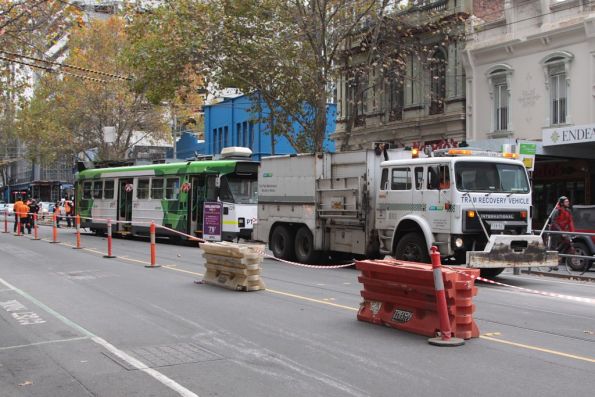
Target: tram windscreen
{"points": [[474, 176], [239, 189]]}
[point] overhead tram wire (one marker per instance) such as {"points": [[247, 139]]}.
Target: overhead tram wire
{"points": [[51, 70], [65, 65]]}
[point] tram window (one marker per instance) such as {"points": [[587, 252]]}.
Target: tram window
{"points": [[211, 189], [108, 189], [87, 190], [157, 189], [142, 189], [172, 188], [97, 189]]}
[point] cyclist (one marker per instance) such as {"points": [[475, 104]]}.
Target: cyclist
{"points": [[563, 221]]}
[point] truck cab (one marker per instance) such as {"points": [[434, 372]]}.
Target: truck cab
{"points": [[456, 200]]}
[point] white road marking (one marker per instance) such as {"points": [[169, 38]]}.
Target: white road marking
{"points": [[47, 342], [181, 390]]}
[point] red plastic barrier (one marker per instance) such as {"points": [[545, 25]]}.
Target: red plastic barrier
{"points": [[402, 295]]}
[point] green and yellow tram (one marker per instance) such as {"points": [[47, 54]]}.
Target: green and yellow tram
{"points": [[171, 195]]}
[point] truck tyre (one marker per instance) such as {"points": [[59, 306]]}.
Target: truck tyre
{"points": [[579, 249], [412, 247], [282, 243], [304, 246], [491, 272]]}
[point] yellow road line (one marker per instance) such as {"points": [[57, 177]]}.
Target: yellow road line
{"points": [[487, 336], [311, 299], [172, 267], [539, 349]]}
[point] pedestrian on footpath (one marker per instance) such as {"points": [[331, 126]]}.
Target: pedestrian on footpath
{"points": [[16, 209]]}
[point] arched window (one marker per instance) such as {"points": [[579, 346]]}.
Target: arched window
{"points": [[437, 81], [557, 80], [499, 78]]}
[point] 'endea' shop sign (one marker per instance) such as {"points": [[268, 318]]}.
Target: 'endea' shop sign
{"points": [[568, 135]]}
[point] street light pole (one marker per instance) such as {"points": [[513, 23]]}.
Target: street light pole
{"points": [[174, 133]]}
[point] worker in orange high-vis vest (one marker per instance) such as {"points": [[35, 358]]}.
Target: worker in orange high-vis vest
{"points": [[24, 214], [15, 209], [67, 210]]}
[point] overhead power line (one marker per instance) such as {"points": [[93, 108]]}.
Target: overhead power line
{"points": [[65, 65], [49, 69]]}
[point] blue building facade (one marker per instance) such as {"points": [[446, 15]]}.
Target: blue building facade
{"points": [[188, 146], [230, 123]]}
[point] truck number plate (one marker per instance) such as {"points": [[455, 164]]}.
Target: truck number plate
{"points": [[497, 226]]}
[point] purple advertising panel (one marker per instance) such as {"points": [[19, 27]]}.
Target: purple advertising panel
{"points": [[212, 221]]}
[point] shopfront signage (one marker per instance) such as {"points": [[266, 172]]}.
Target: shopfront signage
{"points": [[568, 135], [526, 153]]}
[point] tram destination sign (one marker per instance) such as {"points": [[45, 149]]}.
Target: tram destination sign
{"points": [[212, 221], [568, 135]]}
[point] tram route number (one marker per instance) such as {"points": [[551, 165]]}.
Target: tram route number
{"points": [[20, 313]]}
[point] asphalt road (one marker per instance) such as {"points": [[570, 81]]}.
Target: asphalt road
{"points": [[73, 323]]}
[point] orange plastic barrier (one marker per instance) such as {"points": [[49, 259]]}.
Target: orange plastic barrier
{"points": [[401, 295]]}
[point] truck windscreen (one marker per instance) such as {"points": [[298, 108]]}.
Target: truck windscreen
{"points": [[472, 176], [239, 189]]}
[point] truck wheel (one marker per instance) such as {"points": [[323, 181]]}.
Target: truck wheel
{"points": [[282, 243], [304, 246], [578, 264], [412, 247], [491, 272]]}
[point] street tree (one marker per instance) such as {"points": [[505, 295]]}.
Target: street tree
{"points": [[82, 104], [27, 28], [284, 52]]}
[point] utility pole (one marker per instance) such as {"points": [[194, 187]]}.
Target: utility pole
{"points": [[174, 131]]}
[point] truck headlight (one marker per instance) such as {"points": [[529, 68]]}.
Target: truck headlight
{"points": [[459, 242]]}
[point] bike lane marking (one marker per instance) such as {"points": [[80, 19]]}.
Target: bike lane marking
{"points": [[47, 342], [160, 377]]}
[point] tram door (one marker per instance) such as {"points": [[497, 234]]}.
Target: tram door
{"points": [[203, 189], [125, 203]]}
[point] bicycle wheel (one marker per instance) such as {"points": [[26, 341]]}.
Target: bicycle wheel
{"points": [[582, 265]]}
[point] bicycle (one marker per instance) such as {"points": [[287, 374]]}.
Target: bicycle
{"points": [[572, 264]]}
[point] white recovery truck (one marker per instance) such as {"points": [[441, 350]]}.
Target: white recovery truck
{"points": [[475, 208]]}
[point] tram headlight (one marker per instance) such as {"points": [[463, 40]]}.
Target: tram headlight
{"points": [[459, 242], [241, 222]]}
